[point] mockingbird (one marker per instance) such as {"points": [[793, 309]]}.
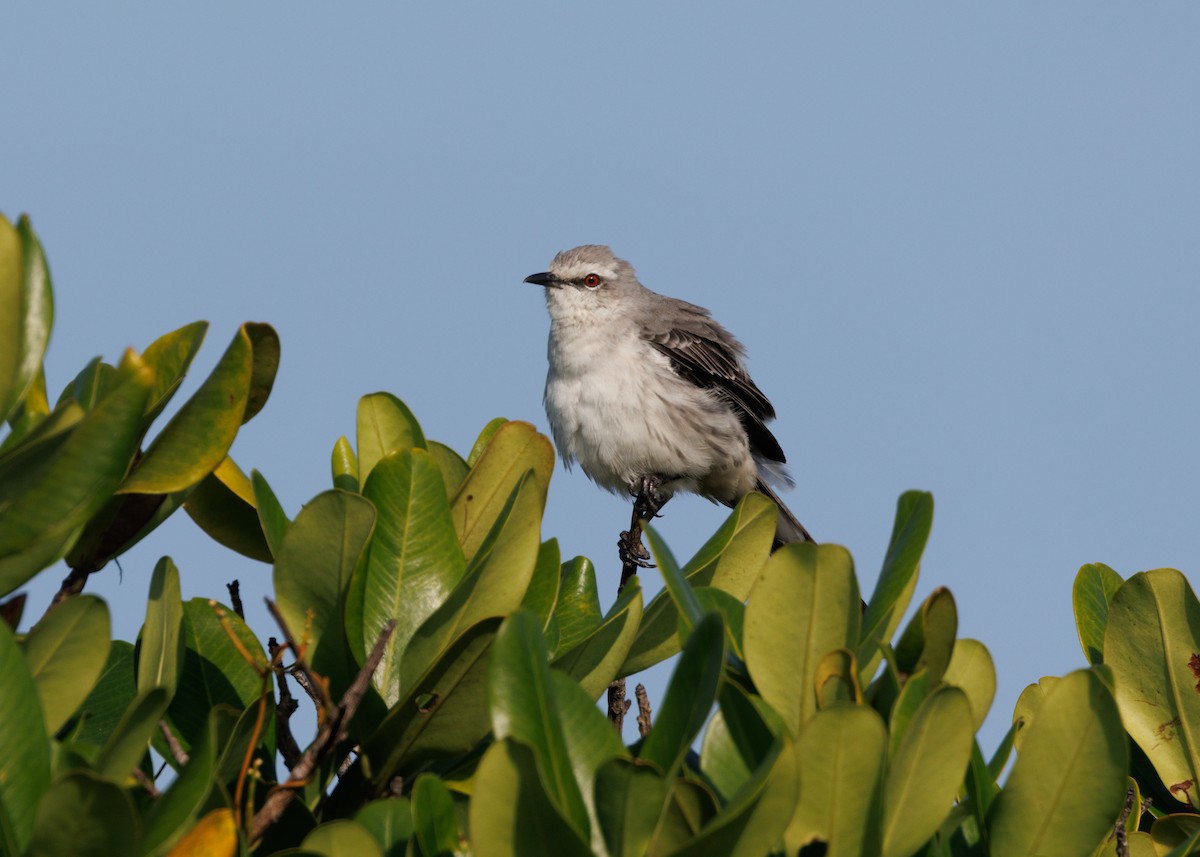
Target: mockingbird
{"points": [[651, 396]]}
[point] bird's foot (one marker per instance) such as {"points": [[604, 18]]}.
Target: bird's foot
{"points": [[632, 551], [648, 501]]}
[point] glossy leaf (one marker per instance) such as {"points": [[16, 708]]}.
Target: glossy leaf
{"points": [[414, 560], [1068, 783], [385, 425], [972, 671], [26, 311], [515, 449], [897, 579], [24, 748], [840, 755], [926, 772], [1152, 643], [682, 595], [271, 517], [160, 657], [523, 707], [76, 481], [130, 739], [1092, 593], [484, 438], [542, 593], [594, 661], [214, 836], [835, 679], [65, 652], [630, 797], [344, 838], [389, 822], [454, 468], [196, 439], [264, 348], [223, 505], [444, 714], [928, 641], [112, 693], [84, 816], [434, 822], [177, 808], [344, 465], [730, 561], [721, 761], [170, 356], [316, 559], [577, 610], [511, 814], [214, 671], [809, 587], [689, 697]]}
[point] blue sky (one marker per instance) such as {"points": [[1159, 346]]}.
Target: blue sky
{"points": [[959, 242]]}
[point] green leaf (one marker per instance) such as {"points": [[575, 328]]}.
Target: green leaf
{"points": [[594, 661], [690, 806], [316, 559], [928, 641], [223, 505], [840, 755], [1068, 783], [271, 517], [84, 815], [174, 813], [542, 593], [390, 822], [511, 815], [342, 838], [214, 671], [264, 347], [344, 465], [434, 822], [1093, 591], [414, 559], [75, 482], [689, 697], [485, 437], [170, 356], [160, 659], [24, 748], [687, 605], [972, 671], [926, 771], [1152, 643], [197, 438], [514, 449], [897, 579], [630, 797], [577, 610], [732, 611], [523, 707], [26, 311], [730, 561], [454, 468], [113, 692], [65, 652], [720, 759], [803, 586], [444, 714], [385, 425], [129, 741]]}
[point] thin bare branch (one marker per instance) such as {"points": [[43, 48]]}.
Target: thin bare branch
{"points": [[332, 732], [643, 718], [177, 751], [235, 598], [284, 709]]}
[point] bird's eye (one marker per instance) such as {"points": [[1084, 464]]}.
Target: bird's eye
{"points": [[591, 281]]}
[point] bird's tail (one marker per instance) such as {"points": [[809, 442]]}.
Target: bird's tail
{"points": [[788, 529]]}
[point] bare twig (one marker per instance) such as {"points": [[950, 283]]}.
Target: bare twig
{"points": [[643, 718], [617, 704], [177, 751], [317, 690], [284, 709], [146, 783], [235, 598], [332, 732]]}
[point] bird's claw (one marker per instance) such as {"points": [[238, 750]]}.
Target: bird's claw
{"points": [[633, 552]]}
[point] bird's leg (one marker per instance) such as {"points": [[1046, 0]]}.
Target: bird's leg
{"points": [[645, 506]]}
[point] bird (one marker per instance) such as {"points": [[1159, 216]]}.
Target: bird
{"points": [[650, 395]]}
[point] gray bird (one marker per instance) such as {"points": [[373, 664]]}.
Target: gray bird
{"points": [[650, 395]]}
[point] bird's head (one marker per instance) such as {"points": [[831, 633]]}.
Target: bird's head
{"points": [[586, 279]]}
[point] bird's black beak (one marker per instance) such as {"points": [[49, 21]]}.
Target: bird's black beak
{"points": [[544, 279]]}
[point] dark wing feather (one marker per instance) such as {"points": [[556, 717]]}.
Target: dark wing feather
{"points": [[707, 355]]}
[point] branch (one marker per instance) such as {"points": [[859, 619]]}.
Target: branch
{"points": [[331, 733], [284, 709], [643, 718], [617, 704], [235, 599], [177, 751]]}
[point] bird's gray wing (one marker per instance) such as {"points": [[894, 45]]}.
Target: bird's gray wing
{"points": [[707, 355]]}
